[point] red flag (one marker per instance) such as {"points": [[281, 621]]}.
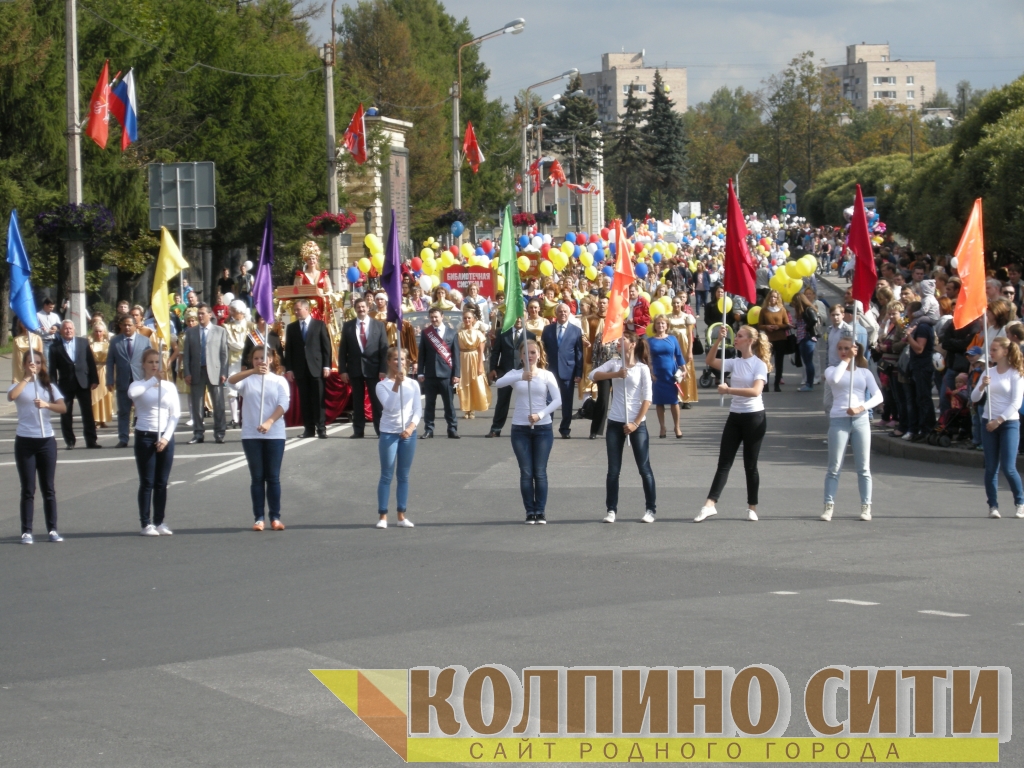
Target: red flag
{"points": [[740, 274], [471, 148], [618, 300], [865, 277], [99, 109], [970, 265], [556, 175], [355, 136]]}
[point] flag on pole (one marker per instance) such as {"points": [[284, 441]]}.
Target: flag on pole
{"points": [[125, 109], [263, 284], [355, 136], [865, 276], [391, 274], [556, 175], [508, 268], [168, 265], [618, 301], [99, 109], [970, 256], [630, 226], [22, 302], [740, 273], [471, 148]]}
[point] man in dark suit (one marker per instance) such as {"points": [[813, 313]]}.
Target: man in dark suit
{"points": [[307, 362], [439, 370], [506, 355], [73, 368], [563, 346], [362, 361], [124, 365], [206, 370]]}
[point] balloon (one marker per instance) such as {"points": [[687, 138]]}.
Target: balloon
{"points": [[487, 245], [524, 263], [353, 274], [447, 259], [591, 273], [467, 250], [576, 251], [447, 287], [808, 265], [545, 249], [592, 248], [501, 283], [570, 237], [567, 248], [369, 240], [537, 242], [453, 250], [587, 259], [364, 265], [638, 248], [547, 239], [480, 251], [608, 271], [647, 297], [793, 270], [753, 315], [641, 270], [657, 309], [457, 228], [426, 283], [426, 253], [429, 266], [657, 258], [953, 262], [434, 281], [546, 268], [377, 261], [594, 239], [494, 263], [605, 234], [598, 256], [523, 241], [416, 263], [778, 281], [611, 248], [727, 308]]}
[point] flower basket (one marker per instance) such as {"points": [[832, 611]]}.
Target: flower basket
{"points": [[523, 220], [330, 223], [545, 218]]}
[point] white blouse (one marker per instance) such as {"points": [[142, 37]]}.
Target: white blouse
{"points": [[399, 409], [628, 394], [276, 393], [838, 378], [532, 396], [1005, 392], [28, 414], [155, 411]]}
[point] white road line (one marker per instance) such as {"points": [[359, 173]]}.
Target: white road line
{"points": [[851, 602], [785, 593], [947, 614], [177, 457], [239, 463]]}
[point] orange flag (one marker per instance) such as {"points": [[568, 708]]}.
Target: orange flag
{"points": [[970, 256], [618, 301]]}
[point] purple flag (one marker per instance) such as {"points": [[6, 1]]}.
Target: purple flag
{"points": [[263, 285], [391, 275]]}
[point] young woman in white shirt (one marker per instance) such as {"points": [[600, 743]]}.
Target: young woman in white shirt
{"points": [[157, 411], [531, 427], [35, 449], [848, 420], [266, 396], [1004, 382], [401, 410], [746, 424], [631, 397]]}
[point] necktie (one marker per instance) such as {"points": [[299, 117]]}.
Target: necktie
{"points": [[131, 339], [561, 330], [202, 346], [362, 333], [305, 328]]}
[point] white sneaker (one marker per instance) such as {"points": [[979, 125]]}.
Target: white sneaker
{"points": [[404, 523], [705, 513], [648, 517], [609, 518], [55, 537], [541, 520], [163, 530], [1020, 511], [149, 530], [382, 523], [26, 538], [751, 515], [827, 514], [865, 512], [908, 436], [190, 423], [994, 513]]}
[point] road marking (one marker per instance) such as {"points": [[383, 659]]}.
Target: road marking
{"points": [[785, 593], [851, 602], [947, 614], [177, 457], [231, 466]]}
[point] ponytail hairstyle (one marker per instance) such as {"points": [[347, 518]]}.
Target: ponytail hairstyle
{"points": [[1013, 354], [640, 351], [760, 346]]}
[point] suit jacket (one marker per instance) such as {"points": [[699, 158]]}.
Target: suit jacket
{"points": [[430, 364], [565, 360], [370, 362], [307, 358], [506, 357], [216, 352], [122, 370], [71, 375]]}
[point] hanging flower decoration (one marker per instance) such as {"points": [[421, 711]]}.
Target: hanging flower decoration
{"points": [[523, 220], [330, 223]]}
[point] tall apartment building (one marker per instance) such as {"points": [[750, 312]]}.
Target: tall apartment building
{"points": [[610, 87], [870, 77]]}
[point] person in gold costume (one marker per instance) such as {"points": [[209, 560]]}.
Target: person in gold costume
{"points": [[681, 324], [474, 393], [409, 343], [102, 399], [534, 322], [21, 344]]}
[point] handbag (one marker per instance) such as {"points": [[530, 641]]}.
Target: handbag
{"points": [[698, 346], [588, 408]]}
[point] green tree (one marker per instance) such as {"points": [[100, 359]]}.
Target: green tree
{"points": [[666, 140], [574, 132], [628, 164]]}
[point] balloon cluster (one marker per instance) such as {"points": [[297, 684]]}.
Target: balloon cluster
{"points": [[788, 280]]}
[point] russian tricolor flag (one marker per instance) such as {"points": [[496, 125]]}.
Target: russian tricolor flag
{"points": [[125, 109]]}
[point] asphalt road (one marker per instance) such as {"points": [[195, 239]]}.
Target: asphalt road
{"points": [[193, 650]]}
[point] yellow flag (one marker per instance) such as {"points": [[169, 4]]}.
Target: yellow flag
{"points": [[168, 264]]}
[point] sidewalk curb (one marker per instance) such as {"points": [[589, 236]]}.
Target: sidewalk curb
{"points": [[885, 445]]}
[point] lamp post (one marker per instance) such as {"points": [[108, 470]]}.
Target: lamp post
{"points": [[750, 159], [327, 54], [526, 119], [512, 28]]}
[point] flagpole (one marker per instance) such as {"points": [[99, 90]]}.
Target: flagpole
{"points": [[159, 383], [721, 344], [401, 395], [35, 381], [266, 361], [529, 383], [853, 362], [988, 399]]}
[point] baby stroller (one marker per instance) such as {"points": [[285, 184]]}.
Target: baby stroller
{"points": [[954, 424], [709, 377]]}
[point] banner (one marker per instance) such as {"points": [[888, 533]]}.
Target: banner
{"points": [[460, 278]]}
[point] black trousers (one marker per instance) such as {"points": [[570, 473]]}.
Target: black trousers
{"points": [[565, 389], [84, 397], [604, 389], [36, 455], [779, 358], [501, 408], [360, 385], [748, 429], [311, 399], [154, 472], [432, 387]]}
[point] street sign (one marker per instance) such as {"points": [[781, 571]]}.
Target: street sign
{"points": [[789, 186], [182, 192], [791, 209], [869, 202]]}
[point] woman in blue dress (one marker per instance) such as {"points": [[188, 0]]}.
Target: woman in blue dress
{"points": [[666, 360]]}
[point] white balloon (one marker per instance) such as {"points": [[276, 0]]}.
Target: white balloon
{"points": [[547, 239], [592, 248], [248, 266], [537, 241], [426, 283], [953, 262]]}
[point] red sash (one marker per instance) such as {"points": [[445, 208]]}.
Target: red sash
{"points": [[438, 343]]}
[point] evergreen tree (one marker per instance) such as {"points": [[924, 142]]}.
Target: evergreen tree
{"points": [[666, 139], [629, 156], [577, 123]]}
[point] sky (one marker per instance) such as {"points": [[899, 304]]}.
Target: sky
{"points": [[738, 42]]}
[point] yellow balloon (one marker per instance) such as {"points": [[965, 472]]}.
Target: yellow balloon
{"points": [[435, 245], [778, 281], [666, 302], [435, 281], [377, 261], [429, 266], [546, 268], [646, 295], [649, 333], [793, 270], [559, 259], [568, 248], [727, 305], [468, 250], [369, 240], [447, 259], [494, 263], [524, 263], [364, 265], [657, 309], [754, 314], [501, 283], [426, 253], [587, 258], [591, 272]]}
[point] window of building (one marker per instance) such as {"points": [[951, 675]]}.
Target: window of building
{"points": [[885, 94], [857, 81], [885, 58], [640, 88], [885, 81], [910, 79], [910, 95]]}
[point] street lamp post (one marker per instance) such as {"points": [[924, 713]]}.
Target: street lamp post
{"points": [[752, 159], [512, 28], [76, 248], [526, 119], [327, 53]]}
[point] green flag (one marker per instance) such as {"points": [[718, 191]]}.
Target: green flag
{"points": [[508, 268]]}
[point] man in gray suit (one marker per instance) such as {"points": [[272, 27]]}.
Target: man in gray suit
{"points": [[206, 369], [124, 365]]}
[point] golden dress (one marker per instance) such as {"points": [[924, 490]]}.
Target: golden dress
{"points": [[20, 348], [680, 328], [536, 327], [409, 343], [474, 393], [102, 398]]}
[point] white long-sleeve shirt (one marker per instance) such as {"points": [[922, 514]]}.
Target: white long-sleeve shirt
{"points": [[628, 394], [838, 378], [275, 393], [155, 410], [397, 413], [542, 387], [1005, 393]]}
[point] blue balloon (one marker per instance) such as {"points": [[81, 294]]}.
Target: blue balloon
{"points": [[611, 248], [445, 285], [656, 257], [353, 274], [608, 271], [641, 270], [576, 252], [480, 251], [570, 237], [457, 228], [598, 256], [523, 241]]}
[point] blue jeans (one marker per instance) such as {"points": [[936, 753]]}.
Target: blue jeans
{"points": [[394, 450], [840, 431], [154, 471], [1001, 451], [807, 347], [124, 415], [264, 457], [615, 441], [532, 446]]}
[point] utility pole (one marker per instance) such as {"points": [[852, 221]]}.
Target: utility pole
{"points": [[327, 54], [456, 146], [75, 248]]}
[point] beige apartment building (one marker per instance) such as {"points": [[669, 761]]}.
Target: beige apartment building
{"points": [[610, 87], [870, 77]]}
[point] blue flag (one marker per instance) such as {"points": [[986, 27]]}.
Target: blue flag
{"points": [[23, 303], [630, 226], [391, 275]]}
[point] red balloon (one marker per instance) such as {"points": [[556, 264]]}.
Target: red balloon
{"points": [[638, 248], [416, 263], [605, 234], [454, 250], [544, 250], [594, 238], [487, 245]]}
